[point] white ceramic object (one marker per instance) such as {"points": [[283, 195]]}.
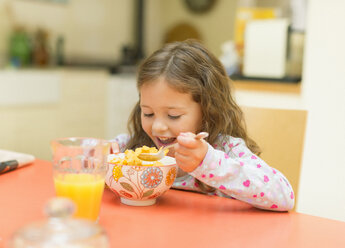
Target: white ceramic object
{"points": [[140, 185]]}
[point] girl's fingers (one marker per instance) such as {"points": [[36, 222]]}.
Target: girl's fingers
{"points": [[187, 134], [184, 162], [183, 158], [183, 150], [187, 141]]}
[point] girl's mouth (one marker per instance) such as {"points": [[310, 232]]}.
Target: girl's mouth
{"points": [[163, 141]]}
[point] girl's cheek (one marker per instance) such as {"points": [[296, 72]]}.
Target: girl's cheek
{"points": [[145, 126]]}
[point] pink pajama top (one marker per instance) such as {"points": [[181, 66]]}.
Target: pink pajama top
{"points": [[234, 171]]}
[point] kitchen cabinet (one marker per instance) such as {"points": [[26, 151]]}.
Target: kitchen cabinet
{"points": [[62, 103]]}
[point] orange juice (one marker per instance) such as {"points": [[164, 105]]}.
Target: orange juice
{"points": [[85, 190]]}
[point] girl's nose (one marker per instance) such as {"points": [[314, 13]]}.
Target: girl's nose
{"points": [[159, 126]]}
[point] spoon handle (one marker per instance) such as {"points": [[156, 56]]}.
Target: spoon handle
{"points": [[201, 135]]}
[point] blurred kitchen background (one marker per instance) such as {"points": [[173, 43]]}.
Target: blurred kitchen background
{"points": [[109, 33], [67, 68]]}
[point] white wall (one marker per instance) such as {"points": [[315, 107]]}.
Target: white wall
{"points": [[322, 185]]}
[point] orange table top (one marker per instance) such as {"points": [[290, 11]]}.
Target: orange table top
{"points": [[179, 218]]}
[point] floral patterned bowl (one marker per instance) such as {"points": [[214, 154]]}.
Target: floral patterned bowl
{"points": [[140, 185]]}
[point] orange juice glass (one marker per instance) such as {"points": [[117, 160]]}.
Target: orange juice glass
{"points": [[80, 165]]}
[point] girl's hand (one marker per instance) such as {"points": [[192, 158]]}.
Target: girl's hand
{"points": [[189, 152]]}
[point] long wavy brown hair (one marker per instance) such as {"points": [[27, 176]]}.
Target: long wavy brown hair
{"points": [[189, 67]]}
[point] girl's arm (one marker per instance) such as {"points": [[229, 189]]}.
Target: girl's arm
{"points": [[239, 173]]}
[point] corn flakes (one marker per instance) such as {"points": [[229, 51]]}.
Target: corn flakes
{"points": [[131, 157]]}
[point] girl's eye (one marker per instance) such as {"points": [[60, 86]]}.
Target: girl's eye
{"points": [[148, 115], [174, 117]]}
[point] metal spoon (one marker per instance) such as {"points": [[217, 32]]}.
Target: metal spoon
{"points": [[160, 154]]}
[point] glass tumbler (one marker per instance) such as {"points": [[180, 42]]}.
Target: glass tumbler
{"points": [[80, 166]]}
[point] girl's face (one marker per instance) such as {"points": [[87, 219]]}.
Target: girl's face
{"points": [[166, 112]]}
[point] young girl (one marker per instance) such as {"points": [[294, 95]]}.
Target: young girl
{"points": [[183, 90]]}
